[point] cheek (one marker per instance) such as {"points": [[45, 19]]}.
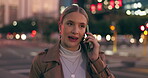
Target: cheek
{"points": [[65, 31], [82, 33], [62, 29]]}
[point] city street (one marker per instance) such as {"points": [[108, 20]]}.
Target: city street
{"points": [[28, 27], [16, 57]]}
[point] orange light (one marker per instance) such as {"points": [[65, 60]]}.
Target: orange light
{"points": [[112, 27]]}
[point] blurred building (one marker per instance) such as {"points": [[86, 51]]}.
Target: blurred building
{"points": [[11, 10], [8, 11]]}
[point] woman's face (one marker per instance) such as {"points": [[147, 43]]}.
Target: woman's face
{"points": [[72, 30]]}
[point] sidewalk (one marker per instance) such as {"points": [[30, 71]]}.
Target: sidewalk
{"points": [[7, 74]]}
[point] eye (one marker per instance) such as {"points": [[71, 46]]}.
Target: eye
{"points": [[82, 26], [69, 23]]}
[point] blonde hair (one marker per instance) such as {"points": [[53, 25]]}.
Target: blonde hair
{"points": [[70, 9]]}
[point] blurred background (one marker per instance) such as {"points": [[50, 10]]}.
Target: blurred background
{"points": [[30, 26]]}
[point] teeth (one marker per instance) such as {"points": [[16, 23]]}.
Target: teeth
{"points": [[72, 37]]}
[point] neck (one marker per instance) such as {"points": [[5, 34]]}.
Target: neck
{"points": [[71, 48], [68, 53]]}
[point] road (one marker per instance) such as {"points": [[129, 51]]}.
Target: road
{"points": [[16, 58]]}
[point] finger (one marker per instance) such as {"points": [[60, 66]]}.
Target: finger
{"points": [[90, 34], [90, 40], [90, 37]]}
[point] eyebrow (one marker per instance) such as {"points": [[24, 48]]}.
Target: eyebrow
{"points": [[70, 21], [73, 22]]}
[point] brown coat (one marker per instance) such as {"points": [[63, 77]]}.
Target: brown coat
{"points": [[47, 65]]}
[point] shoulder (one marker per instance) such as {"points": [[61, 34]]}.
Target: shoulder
{"points": [[47, 54], [43, 52], [47, 50], [40, 56]]}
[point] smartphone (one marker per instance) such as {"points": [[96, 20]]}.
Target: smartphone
{"points": [[89, 43]]}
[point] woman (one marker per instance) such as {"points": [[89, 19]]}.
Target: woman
{"points": [[70, 58]]}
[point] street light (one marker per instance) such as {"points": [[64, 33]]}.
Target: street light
{"points": [[108, 37], [14, 23], [113, 28], [142, 28], [33, 23]]}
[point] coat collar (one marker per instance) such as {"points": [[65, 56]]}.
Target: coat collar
{"points": [[53, 54]]}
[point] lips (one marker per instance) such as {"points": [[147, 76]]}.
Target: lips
{"points": [[72, 38]]}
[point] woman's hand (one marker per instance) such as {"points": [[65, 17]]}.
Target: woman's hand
{"points": [[94, 54]]}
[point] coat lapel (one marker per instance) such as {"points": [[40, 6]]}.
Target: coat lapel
{"points": [[54, 67]]}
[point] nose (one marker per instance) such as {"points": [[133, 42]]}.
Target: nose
{"points": [[75, 30]]}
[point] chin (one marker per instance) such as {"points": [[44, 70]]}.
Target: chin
{"points": [[74, 44]]}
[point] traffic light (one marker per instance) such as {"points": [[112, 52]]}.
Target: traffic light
{"points": [[112, 3], [99, 6], [120, 3], [92, 7], [33, 33]]}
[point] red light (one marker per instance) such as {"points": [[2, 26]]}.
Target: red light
{"points": [[33, 33], [120, 3], [146, 25], [112, 3], [99, 6], [142, 28], [92, 7]]}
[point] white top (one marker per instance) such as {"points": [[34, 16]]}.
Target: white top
{"points": [[73, 64]]}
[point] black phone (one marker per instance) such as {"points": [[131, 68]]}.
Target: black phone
{"points": [[89, 44]]}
